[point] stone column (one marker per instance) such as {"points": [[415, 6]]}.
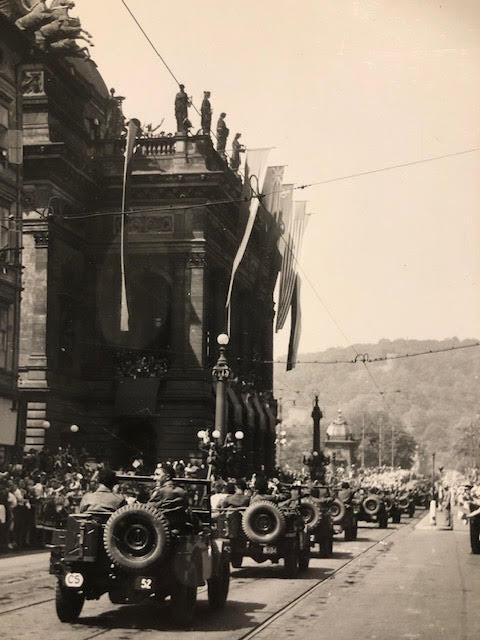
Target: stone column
{"points": [[33, 335]]}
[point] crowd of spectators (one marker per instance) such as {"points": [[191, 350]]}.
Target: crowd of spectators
{"points": [[46, 483]]}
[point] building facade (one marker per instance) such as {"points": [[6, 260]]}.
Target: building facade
{"points": [[12, 49], [146, 392]]}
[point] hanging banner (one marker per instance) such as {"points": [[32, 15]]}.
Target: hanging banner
{"points": [[295, 325], [255, 170], [133, 131], [291, 241], [272, 190]]}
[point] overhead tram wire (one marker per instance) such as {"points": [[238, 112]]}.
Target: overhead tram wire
{"points": [[244, 199], [368, 360]]}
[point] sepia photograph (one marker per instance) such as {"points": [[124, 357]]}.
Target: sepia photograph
{"points": [[240, 320]]}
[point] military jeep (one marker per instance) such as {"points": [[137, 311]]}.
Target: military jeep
{"points": [[345, 518], [372, 508], [266, 531], [135, 555], [315, 504], [406, 503]]}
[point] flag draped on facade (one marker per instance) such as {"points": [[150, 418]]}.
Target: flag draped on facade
{"points": [[295, 325], [272, 189], [132, 134], [292, 228], [255, 165]]}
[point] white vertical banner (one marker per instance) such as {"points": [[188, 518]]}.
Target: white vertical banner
{"points": [[255, 170], [133, 131]]}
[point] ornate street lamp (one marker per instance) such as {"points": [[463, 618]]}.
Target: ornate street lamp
{"points": [[221, 373]]}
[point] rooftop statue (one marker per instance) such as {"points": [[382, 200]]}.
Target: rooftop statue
{"points": [[55, 27], [222, 133], [206, 113], [237, 149], [182, 102], [70, 28], [115, 124], [38, 15]]}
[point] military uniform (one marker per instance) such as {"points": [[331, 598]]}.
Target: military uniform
{"points": [[103, 499]]}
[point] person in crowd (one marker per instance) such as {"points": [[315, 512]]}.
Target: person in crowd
{"points": [[219, 493]]}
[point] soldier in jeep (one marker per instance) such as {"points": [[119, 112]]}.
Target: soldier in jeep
{"points": [[103, 499], [171, 500]]}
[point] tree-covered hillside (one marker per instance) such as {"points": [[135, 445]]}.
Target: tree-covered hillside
{"points": [[435, 397]]}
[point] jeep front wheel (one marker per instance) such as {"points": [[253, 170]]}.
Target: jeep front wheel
{"points": [[68, 603]]}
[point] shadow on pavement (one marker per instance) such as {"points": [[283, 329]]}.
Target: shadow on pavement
{"points": [[236, 615]]}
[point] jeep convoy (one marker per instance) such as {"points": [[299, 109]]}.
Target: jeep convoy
{"points": [[140, 552]]}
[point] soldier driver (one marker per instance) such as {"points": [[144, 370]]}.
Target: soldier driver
{"points": [[103, 499]]}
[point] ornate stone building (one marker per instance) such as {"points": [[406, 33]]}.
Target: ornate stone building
{"points": [[340, 444], [148, 391], [12, 49]]}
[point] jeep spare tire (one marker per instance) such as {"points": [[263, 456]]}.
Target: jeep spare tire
{"points": [[263, 522], [311, 514], [372, 505], [136, 537], [337, 511]]}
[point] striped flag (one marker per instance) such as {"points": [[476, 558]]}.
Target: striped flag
{"points": [[255, 165], [272, 188], [295, 325], [132, 134], [291, 241]]}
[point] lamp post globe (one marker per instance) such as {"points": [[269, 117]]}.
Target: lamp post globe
{"points": [[74, 428]]}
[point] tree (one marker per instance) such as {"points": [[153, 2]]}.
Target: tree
{"points": [[379, 429], [466, 442]]}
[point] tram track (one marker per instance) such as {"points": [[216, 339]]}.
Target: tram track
{"points": [[247, 634]]}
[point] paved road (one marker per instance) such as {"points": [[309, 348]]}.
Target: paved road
{"points": [[407, 582]]}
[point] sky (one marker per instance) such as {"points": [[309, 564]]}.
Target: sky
{"points": [[337, 87]]}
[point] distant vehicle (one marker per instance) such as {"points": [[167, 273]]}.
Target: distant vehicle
{"points": [[266, 531], [406, 503], [372, 508], [135, 555], [345, 518], [319, 523]]}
